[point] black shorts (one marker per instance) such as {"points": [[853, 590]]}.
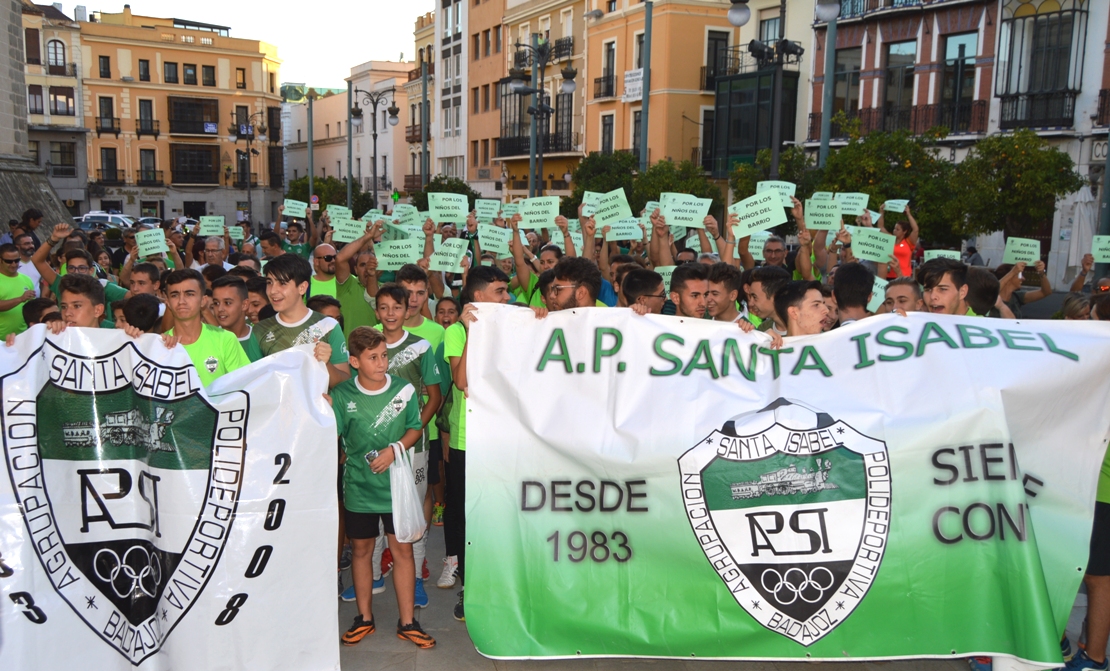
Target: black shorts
{"points": [[435, 455], [362, 526], [1098, 563]]}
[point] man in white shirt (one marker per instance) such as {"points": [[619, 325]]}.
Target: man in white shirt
{"points": [[215, 254], [25, 243]]}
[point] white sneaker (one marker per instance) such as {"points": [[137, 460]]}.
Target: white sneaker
{"points": [[450, 569]]}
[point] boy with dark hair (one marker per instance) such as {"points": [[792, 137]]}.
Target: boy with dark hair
{"points": [[117, 313], [765, 281], [145, 279], [375, 413], [141, 311], [287, 280], [689, 286], [644, 288], [213, 351], [802, 307], [944, 282], [78, 261], [229, 299], [414, 280], [853, 285], [724, 290], [256, 298], [35, 309], [81, 300], [577, 284], [982, 291], [270, 243]]}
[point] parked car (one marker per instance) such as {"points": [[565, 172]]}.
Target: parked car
{"points": [[103, 220], [150, 221]]}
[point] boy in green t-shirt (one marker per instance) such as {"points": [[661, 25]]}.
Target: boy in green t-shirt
{"points": [[375, 414], [213, 351]]}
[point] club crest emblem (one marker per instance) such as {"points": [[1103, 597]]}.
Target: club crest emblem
{"points": [[99, 452], [211, 364], [792, 510]]}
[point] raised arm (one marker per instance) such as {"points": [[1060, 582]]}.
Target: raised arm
{"points": [[523, 269], [1086, 264], [41, 257], [351, 251], [802, 260], [1045, 288], [914, 232], [589, 244], [278, 228]]}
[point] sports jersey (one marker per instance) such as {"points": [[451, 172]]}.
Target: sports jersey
{"points": [[274, 335], [371, 420], [215, 353], [454, 340], [413, 359], [301, 249], [433, 333], [250, 345], [11, 321], [354, 305], [318, 288]]}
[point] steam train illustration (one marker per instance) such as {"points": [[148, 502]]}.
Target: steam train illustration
{"points": [[786, 481], [126, 427]]}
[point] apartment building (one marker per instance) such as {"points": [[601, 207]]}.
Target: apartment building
{"points": [[486, 68], [385, 81], [329, 131], [55, 122], [184, 119], [978, 67], [560, 28], [452, 88], [418, 89]]}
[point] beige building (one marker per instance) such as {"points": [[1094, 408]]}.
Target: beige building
{"points": [[487, 67], [419, 117], [184, 119]]}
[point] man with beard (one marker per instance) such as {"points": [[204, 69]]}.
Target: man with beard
{"points": [[577, 284], [355, 290], [323, 282]]}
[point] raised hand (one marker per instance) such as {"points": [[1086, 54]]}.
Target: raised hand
{"points": [[710, 223]]}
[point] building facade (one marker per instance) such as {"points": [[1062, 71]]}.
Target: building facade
{"points": [[418, 88], [451, 88], [184, 120], [55, 122], [486, 67], [386, 80]]}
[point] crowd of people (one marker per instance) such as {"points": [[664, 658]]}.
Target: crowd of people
{"points": [[395, 341]]}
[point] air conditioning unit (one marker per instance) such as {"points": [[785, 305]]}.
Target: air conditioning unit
{"points": [[127, 79]]}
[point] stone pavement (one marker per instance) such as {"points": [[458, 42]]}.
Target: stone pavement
{"points": [[383, 651]]}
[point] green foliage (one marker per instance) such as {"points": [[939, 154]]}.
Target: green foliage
{"points": [[895, 165], [794, 166], [444, 184], [601, 173], [685, 177], [1011, 183], [332, 191]]}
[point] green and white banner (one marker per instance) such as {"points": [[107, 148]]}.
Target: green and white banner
{"points": [[901, 487]]}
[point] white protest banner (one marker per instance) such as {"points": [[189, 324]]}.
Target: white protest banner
{"points": [[1100, 248], [294, 208], [612, 208], [447, 208], [852, 204], [871, 244], [682, 209], [785, 189], [448, 257], [212, 225], [348, 230], [487, 209], [822, 215], [625, 229], [140, 529], [539, 212], [694, 447], [396, 253], [758, 213], [931, 254], [1022, 249], [151, 243], [494, 239], [895, 205]]}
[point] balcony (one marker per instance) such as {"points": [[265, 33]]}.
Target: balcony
{"points": [[522, 58], [854, 8], [415, 73], [708, 78], [605, 87], [383, 183], [549, 143], [194, 127], [1038, 110], [34, 60], [241, 180], [966, 117], [148, 178], [702, 156], [146, 127], [62, 69], [106, 124], [111, 177], [194, 176], [563, 48], [1103, 118], [413, 133], [413, 183]]}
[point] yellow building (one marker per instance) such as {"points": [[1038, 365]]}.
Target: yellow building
{"points": [[177, 111], [418, 118]]}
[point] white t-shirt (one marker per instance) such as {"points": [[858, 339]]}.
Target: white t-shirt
{"points": [[27, 268], [227, 266]]}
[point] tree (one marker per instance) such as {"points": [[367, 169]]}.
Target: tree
{"points": [[601, 173], [444, 184], [794, 166], [1011, 183], [685, 177], [331, 191]]}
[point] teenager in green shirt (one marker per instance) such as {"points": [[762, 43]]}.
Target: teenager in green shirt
{"points": [[229, 295], [214, 351], [375, 414]]}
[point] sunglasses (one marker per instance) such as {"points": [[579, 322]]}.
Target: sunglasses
{"points": [[11, 261], [327, 257]]}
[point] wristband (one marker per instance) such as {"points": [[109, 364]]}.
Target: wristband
{"points": [[730, 241], [847, 245]]}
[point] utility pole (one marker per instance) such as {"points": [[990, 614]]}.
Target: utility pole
{"points": [[424, 121], [644, 98], [776, 103], [828, 90], [535, 124], [311, 167], [350, 87]]}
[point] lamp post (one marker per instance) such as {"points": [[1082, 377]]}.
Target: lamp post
{"points": [[354, 119], [245, 129], [541, 53], [828, 11]]}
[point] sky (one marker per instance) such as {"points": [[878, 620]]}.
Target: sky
{"points": [[318, 42]]}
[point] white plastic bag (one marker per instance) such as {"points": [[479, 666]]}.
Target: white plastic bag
{"points": [[408, 509]]}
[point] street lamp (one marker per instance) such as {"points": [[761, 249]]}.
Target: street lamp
{"points": [[370, 99], [827, 11], [739, 14], [541, 54], [245, 129]]}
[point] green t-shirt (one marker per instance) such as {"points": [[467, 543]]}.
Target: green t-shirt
{"points": [[215, 353], [454, 340], [413, 359], [371, 420], [11, 321], [354, 306], [250, 346], [318, 288], [1104, 480], [433, 333], [274, 335], [300, 249]]}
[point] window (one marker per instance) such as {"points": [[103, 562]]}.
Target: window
{"points": [[474, 153], [242, 115], [105, 67], [716, 53], [846, 94], [33, 150], [458, 68], [607, 134], [61, 100], [474, 109], [485, 152], [208, 75], [273, 82], [485, 43], [63, 159], [458, 119], [639, 48], [497, 40], [769, 29], [900, 57], [206, 41], [458, 18], [485, 97], [609, 60], [169, 72], [190, 72], [240, 78], [610, 5], [298, 135], [195, 164], [447, 69], [1040, 63], [56, 56], [564, 112], [31, 46], [144, 70], [148, 168], [476, 46], [34, 99], [194, 116], [108, 172], [636, 129], [106, 112]]}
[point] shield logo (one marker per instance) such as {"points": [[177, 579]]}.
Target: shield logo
{"points": [[792, 509], [128, 480], [211, 363]]}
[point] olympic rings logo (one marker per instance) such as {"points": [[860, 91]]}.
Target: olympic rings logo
{"points": [[139, 572], [797, 584]]}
